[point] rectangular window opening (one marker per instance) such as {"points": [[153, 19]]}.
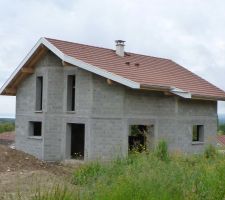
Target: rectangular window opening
{"points": [[140, 137], [39, 93], [71, 80], [198, 133], [35, 129]]}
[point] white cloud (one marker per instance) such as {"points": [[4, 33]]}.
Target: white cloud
{"points": [[191, 32]]}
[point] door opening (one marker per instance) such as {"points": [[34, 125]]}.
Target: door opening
{"points": [[77, 142]]}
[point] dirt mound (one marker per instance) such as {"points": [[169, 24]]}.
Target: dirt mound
{"points": [[14, 160]]}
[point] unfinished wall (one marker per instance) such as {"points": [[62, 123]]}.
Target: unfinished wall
{"points": [[108, 132], [106, 110], [172, 118], [54, 116]]}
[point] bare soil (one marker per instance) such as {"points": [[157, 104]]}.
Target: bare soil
{"points": [[21, 173]]}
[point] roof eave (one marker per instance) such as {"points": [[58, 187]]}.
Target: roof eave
{"points": [[155, 87], [208, 98], [4, 90]]}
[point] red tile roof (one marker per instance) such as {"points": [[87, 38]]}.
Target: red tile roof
{"points": [[146, 70], [221, 139], [7, 136]]}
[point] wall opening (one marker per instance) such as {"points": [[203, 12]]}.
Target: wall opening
{"points": [[198, 133], [35, 129], [76, 141], [140, 137], [71, 81], [39, 93]]}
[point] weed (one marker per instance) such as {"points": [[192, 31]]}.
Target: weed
{"points": [[210, 151], [87, 172], [161, 150]]}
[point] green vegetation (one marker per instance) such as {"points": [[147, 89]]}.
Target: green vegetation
{"points": [[210, 151], [149, 175], [7, 126], [161, 150], [221, 129]]}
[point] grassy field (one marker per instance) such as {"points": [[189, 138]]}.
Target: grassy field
{"points": [[152, 176], [7, 125]]}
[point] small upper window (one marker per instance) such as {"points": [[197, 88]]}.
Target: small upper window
{"points": [[198, 133], [71, 81], [35, 129], [39, 93]]}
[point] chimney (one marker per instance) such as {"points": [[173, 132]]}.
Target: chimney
{"points": [[120, 47]]}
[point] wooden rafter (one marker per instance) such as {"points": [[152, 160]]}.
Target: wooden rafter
{"points": [[66, 64], [27, 70], [10, 91]]}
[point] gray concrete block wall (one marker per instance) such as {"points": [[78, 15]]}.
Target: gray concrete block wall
{"points": [[23, 141], [171, 116], [108, 139], [108, 100], [140, 104], [84, 96], [197, 108], [50, 68], [54, 116], [25, 103], [108, 128], [54, 109], [52, 138], [180, 138]]}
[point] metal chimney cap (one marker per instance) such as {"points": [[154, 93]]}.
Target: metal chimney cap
{"points": [[120, 42]]}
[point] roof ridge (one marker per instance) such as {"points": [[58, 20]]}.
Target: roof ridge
{"points": [[107, 48], [77, 43]]}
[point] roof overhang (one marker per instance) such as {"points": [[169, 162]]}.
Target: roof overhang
{"points": [[26, 68], [207, 97], [167, 90], [181, 93], [10, 86]]}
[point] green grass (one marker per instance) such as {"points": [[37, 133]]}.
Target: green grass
{"points": [[7, 126], [148, 176]]}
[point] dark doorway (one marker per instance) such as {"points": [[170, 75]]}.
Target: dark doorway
{"points": [[77, 141]]}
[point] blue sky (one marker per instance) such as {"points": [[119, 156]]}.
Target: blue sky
{"points": [[191, 32]]}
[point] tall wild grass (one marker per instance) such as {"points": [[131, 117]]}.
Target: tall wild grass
{"points": [[150, 176]]}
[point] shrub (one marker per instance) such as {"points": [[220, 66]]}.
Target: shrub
{"points": [[221, 129], [210, 151], [6, 126], [161, 150]]}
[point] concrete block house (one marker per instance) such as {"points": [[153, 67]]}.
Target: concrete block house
{"points": [[85, 102]]}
